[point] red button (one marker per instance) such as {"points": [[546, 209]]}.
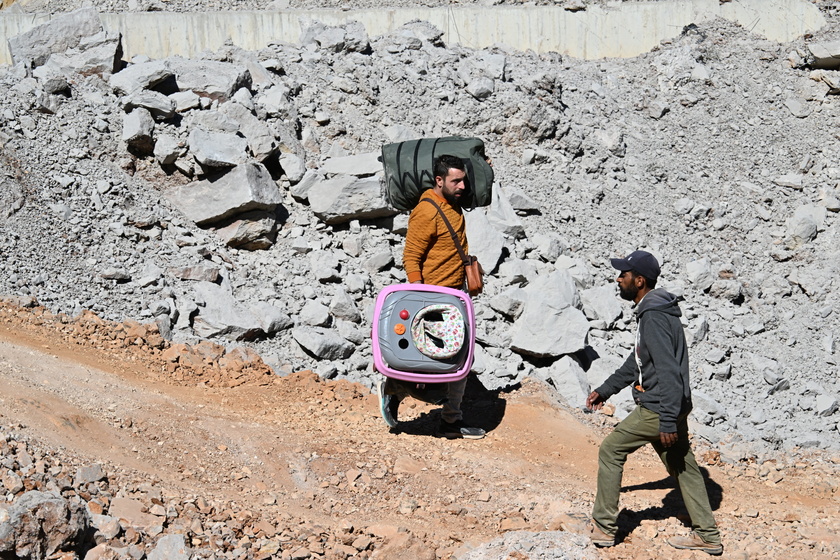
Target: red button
{"points": [[404, 314]]}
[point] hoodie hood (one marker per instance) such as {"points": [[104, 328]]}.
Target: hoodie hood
{"points": [[661, 300]]}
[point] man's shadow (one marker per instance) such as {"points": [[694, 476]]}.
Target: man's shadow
{"points": [[672, 503], [482, 408]]}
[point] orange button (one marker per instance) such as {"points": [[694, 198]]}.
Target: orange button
{"points": [[399, 328]]}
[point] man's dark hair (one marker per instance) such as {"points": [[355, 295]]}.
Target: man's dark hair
{"points": [[648, 282], [446, 162]]}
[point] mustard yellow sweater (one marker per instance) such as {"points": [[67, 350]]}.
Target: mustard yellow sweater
{"points": [[430, 255]]}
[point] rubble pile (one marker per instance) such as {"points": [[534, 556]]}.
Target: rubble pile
{"points": [[236, 198], [64, 506], [205, 363]]}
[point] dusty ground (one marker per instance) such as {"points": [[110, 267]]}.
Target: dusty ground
{"points": [[301, 448]]}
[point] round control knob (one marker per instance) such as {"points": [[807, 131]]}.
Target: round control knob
{"points": [[399, 328], [404, 314]]}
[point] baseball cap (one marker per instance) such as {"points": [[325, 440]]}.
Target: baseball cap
{"points": [[640, 262]]}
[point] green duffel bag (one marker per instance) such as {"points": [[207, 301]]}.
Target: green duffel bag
{"points": [[409, 170]]}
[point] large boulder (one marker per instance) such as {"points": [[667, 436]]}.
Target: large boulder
{"points": [[323, 344], [485, 241], [217, 149], [140, 76], [245, 188], [40, 524], [96, 55], [209, 78], [222, 316], [58, 35], [550, 324], [345, 197]]}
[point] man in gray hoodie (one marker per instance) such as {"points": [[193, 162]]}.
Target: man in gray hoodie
{"points": [[658, 371]]}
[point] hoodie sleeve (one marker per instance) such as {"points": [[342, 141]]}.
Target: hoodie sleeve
{"points": [[623, 376], [658, 339]]}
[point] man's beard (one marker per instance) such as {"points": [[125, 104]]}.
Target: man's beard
{"points": [[452, 199], [629, 294]]}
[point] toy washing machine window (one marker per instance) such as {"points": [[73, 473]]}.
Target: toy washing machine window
{"points": [[438, 331]]}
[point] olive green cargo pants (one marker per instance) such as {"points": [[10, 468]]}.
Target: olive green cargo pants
{"points": [[638, 429]]}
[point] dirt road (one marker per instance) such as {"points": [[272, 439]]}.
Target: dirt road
{"points": [[305, 449]]}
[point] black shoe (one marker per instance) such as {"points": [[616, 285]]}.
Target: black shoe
{"points": [[458, 429], [388, 405]]}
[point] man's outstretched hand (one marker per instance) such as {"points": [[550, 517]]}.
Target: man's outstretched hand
{"points": [[595, 401]]}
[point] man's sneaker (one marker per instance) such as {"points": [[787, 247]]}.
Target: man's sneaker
{"points": [[599, 538], [694, 542], [457, 429], [388, 405]]}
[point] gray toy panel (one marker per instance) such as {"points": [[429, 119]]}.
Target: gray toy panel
{"points": [[399, 351]]}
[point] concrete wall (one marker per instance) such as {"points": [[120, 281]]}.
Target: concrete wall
{"points": [[624, 29]]}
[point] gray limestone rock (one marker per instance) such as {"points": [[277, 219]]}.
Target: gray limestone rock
{"points": [[138, 131], [825, 405], [222, 316], [185, 100], [344, 198], [510, 303], [485, 241], [798, 107], [361, 165], [250, 231], [517, 271], [168, 149], [378, 262], [94, 55], [342, 306], [790, 180], [699, 273], [356, 37], [549, 246], [601, 304], [217, 149], [568, 379], [246, 187], [160, 106], [171, 547], [806, 221], [323, 344], [315, 314], [140, 76], [61, 33], [201, 272], [275, 101], [294, 167], [271, 318], [503, 217], [208, 78], [521, 201], [481, 88], [824, 54], [260, 139], [331, 39], [300, 191], [550, 324], [91, 473]]}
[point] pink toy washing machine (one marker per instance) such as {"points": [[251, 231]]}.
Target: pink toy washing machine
{"points": [[423, 333]]}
